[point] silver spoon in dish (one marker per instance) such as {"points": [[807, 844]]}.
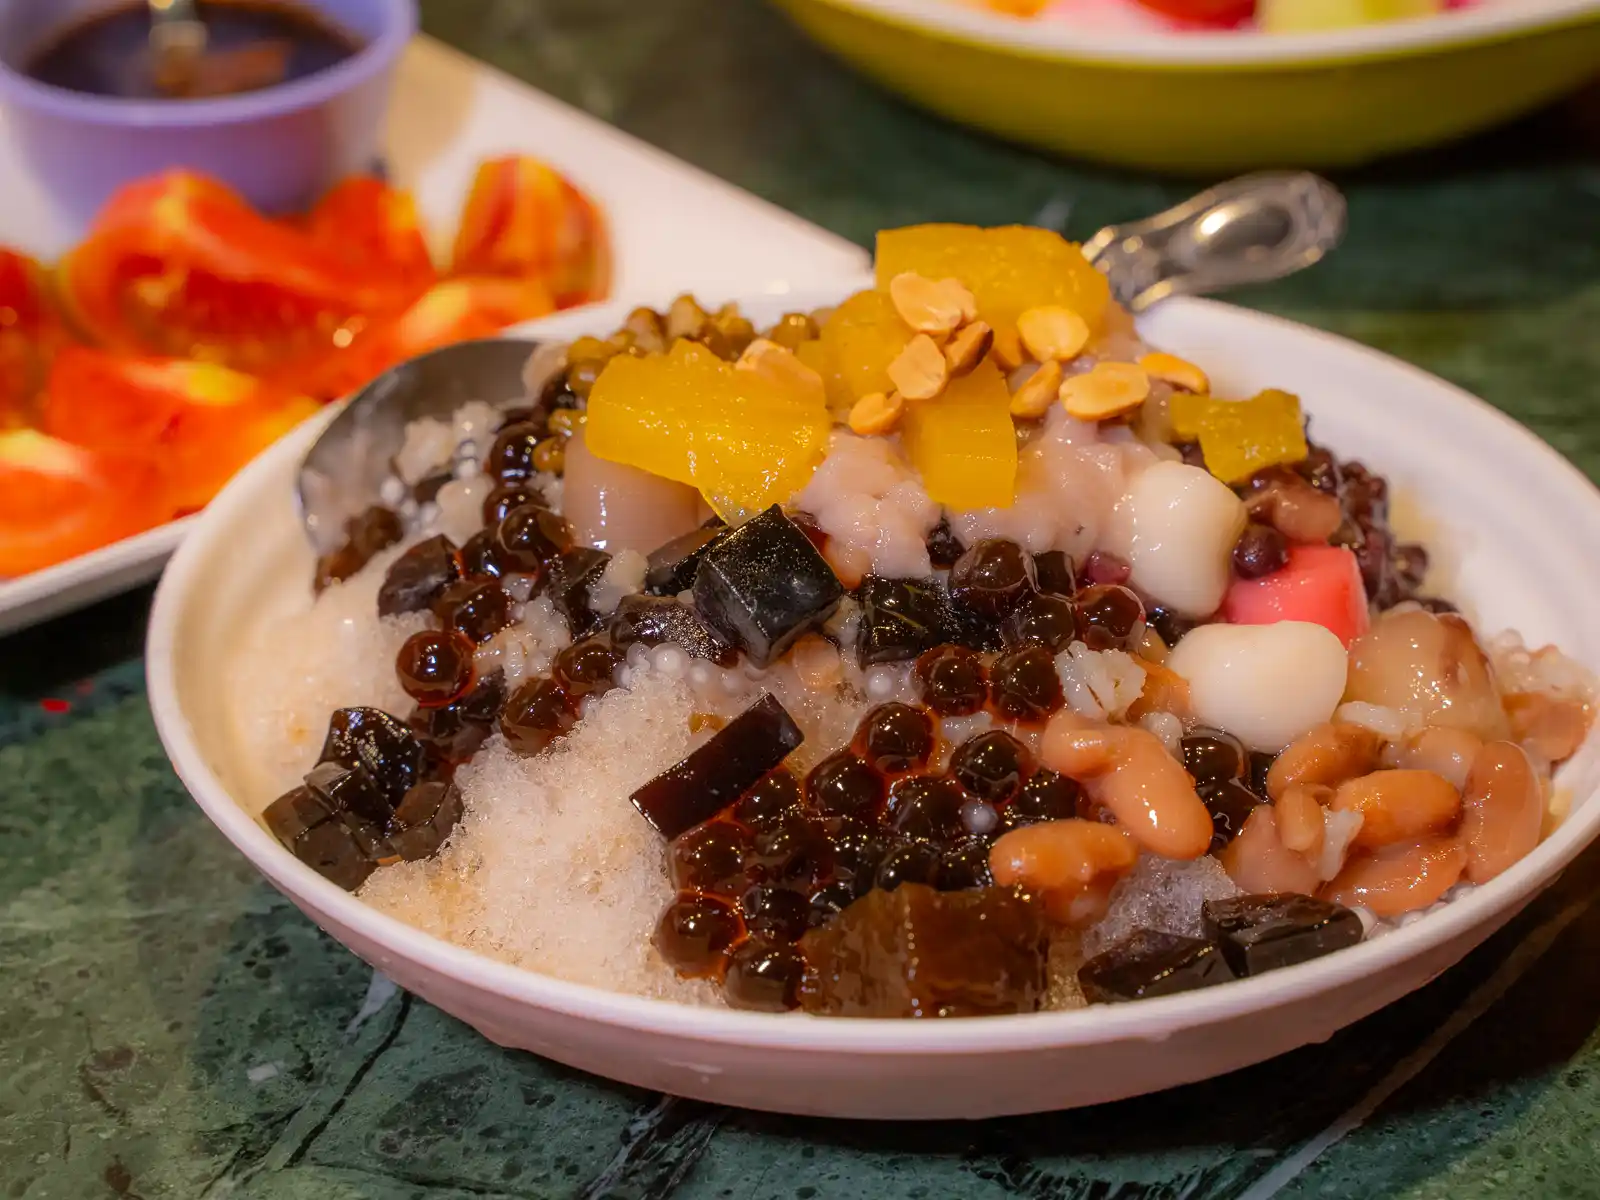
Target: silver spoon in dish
{"points": [[1249, 230]]}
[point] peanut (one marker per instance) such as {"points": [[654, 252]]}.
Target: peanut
{"points": [[1552, 727], [1111, 389], [919, 372], [928, 306], [1034, 398], [967, 348], [1053, 333], [1178, 372], [1259, 862], [1398, 806], [877, 413], [1326, 754], [1299, 814], [1008, 352], [1446, 752]]}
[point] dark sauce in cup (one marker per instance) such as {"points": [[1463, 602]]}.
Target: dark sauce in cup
{"points": [[251, 44]]}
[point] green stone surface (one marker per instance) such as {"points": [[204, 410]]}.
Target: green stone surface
{"points": [[171, 1027]]}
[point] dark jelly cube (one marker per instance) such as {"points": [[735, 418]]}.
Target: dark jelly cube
{"points": [[424, 820], [419, 577], [343, 790], [1055, 573], [916, 952], [654, 620], [380, 746], [294, 812], [1263, 933], [670, 568], [332, 851], [1152, 963], [366, 535], [763, 585], [902, 618], [719, 772], [571, 577]]}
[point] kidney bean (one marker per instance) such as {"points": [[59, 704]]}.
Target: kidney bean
{"points": [[1071, 864], [1398, 806], [1503, 810], [1129, 771], [1327, 754], [1400, 878]]}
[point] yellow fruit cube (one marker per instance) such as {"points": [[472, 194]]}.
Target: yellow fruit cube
{"points": [[746, 438], [963, 443], [1240, 437], [861, 338], [1008, 270]]}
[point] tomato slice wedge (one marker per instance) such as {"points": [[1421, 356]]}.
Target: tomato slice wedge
{"points": [[524, 220], [201, 422], [180, 266], [58, 500], [375, 229], [31, 334], [1219, 14], [454, 310]]}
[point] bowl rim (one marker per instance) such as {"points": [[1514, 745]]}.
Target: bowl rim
{"points": [[400, 23], [1152, 1019], [1057, 40]]}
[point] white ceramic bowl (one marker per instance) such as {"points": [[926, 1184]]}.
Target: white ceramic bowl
{"points": [[1519, 527]]}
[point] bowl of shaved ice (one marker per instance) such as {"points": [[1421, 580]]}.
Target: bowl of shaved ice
{"points": [[944, 697]]}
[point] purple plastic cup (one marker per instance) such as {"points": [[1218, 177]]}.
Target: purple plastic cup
{"points": [[281, 147]]}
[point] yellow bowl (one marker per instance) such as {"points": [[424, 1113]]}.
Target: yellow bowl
{"points": [[1209, 103]]}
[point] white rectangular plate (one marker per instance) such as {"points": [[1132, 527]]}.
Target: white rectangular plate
{"points": [[673, 229]]}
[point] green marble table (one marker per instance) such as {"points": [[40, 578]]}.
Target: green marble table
{"points": [[171, 1027]]}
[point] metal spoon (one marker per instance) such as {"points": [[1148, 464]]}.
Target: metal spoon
{"points": [[177, 44], [1249, 230]]}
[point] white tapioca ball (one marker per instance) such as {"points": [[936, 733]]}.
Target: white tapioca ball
{"points": [[1183, 523], [1265, 684]]}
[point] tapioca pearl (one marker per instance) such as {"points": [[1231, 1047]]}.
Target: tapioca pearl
{"points": [[1265, 684], [1184, 523]]}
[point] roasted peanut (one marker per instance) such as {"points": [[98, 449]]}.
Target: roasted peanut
{"points": [[1129, 771], [919, 372], [1327, 754], [1401, 878], [1299, 816], [1178, 372], [967, 348], [930, 306], [1502, 810], [1071, 864], [1053, 333], [1259, 862], [1552, 727], [1445, 752], [782, 366], [1111, 389], [876, 413], [1164, 689], [685, 319], [1034, 398]]}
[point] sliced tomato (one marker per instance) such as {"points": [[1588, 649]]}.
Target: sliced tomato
{"points": [[455, 310], [200, 421], [376, 230], [524, 220], [31, 334], [58, 500], [1218, 14], [180, 266]]}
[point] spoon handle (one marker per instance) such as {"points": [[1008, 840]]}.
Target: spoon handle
{"points": [[1249, 230]]}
